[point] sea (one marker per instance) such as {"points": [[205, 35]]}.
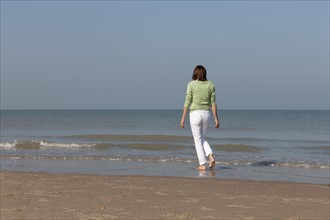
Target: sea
{"points": [[269, 145]]}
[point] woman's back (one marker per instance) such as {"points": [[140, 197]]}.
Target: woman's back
{"points": [[200, 95]]}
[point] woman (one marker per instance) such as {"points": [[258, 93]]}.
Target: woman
{"points": [[200, 97]]}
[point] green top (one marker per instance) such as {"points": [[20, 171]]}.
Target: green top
{"points": [[200, 95]]}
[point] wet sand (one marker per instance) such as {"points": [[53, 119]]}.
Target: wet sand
{"points": [[29, 195]]}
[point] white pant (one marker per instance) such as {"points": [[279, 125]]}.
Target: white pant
{"points": [[199, 123]]}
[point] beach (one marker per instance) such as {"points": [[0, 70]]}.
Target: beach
{"points": [[36, 195]]}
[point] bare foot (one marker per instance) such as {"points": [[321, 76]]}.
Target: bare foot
{"points": [[212, 161], [201, 167]]}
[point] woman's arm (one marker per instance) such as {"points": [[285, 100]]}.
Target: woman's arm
{"points": [[215, 115], [186, 105], [184, 113]]}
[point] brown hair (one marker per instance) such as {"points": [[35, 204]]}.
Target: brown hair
{"points": [[199, 73]]}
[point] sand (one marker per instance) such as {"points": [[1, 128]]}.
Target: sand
{"points": [[28, 195]]}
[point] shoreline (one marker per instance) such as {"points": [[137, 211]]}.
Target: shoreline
{"points": [[119, 167], [41, 195]]}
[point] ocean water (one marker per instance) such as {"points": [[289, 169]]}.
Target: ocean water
{"points": [[283, 145]]}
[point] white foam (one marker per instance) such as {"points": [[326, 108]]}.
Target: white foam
{"points": [[8, 145], [44, 144], [62, 145]]}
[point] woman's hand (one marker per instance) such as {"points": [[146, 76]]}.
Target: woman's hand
{"points": [[217, 124], [184, 113], [182, 123], [215, 115]]}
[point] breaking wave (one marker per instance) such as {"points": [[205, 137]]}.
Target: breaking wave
{"points": [[35, 144]]}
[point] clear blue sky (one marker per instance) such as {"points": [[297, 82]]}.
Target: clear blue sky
{"points": [[140, 54]]}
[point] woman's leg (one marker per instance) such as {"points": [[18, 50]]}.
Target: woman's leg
{"points": [[207, 148], [196, 129], [204, 127]]}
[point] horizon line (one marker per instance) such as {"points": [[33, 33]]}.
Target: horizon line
{"points": [[146, 109]]}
